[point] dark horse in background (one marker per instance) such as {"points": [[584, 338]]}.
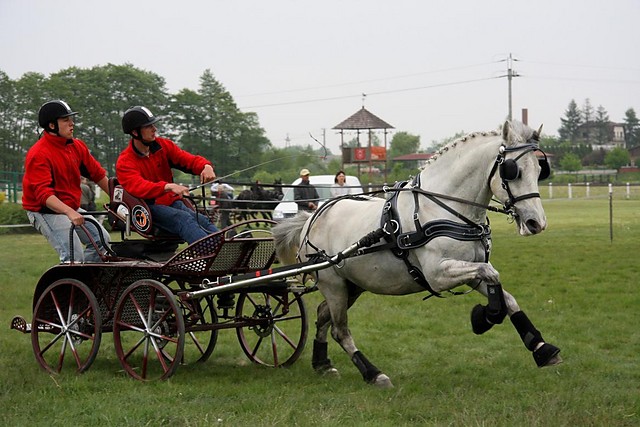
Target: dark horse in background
{"points": [[258, 201]]}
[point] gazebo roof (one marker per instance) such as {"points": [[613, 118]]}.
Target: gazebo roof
{"points": [[363, 119]]}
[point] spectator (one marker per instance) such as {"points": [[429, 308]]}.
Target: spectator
{"points": [[87, 196], [144, 170], [51, 185], [305, 194], [339, 187]]}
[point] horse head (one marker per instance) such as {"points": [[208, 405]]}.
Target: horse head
{"points": [[515, 174]]}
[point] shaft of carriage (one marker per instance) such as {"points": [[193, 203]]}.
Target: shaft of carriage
{"points": [[227, 284]]}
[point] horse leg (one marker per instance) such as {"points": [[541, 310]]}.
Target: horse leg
{"points": [[338, 301], [320, 360], [502, 303]]}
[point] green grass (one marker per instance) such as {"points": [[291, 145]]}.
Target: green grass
{"points": [[578, 287]]}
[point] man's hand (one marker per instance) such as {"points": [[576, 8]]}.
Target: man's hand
{"points": [[207, 174], [75, 217], [178, 189]]}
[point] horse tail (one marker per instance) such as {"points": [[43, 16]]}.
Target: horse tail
{"points": [[287, 237]]}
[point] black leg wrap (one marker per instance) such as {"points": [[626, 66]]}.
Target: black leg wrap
{"points": [[479, 322], [497, 308], [544, 354], [530, 336], [320, 361], [366, 368]]}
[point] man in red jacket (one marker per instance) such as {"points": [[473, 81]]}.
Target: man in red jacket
{"points": [[51, 185], [144, 170]]}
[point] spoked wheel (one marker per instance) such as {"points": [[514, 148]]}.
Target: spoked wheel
{"points": [[148, 331], [200, 340], [67, 327], [274, 326]]}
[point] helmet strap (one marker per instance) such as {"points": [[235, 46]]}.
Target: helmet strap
{"points": [[56, 128]]}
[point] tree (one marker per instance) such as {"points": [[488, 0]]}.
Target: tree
{"points": [[570, 163], [602, 126], [403, 143], [617, 158], [631, 128], [570, 123]]}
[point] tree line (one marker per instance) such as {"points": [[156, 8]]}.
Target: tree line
{"points": [[206, 121], [584, 130]]}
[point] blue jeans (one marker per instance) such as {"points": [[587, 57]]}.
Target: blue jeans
{"points": [[179, 219], [55, 228]]}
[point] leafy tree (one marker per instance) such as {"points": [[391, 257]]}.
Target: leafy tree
{"points": [[570, 123], [403, 143], [617, 158], [570, 162], [631, 128]]}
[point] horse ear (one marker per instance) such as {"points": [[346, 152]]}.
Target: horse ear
{"points": [[540, 130], [506, 128]]}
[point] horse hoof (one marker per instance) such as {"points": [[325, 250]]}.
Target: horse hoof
{"points": [[547, 355], [382, 381], [330, 372]]}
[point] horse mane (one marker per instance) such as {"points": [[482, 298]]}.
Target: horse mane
{"points": [[513, 133]]}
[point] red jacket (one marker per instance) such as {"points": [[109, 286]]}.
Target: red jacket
{"points": [[53, 167], [145, 176]]}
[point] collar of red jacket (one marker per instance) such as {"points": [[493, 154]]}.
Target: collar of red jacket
{"points": [[153, 147], [56, 140]]}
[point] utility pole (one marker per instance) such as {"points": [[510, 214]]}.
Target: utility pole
{"points": [[510, 75]]}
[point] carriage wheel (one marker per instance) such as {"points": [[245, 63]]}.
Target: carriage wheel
{"points": [[199, 340], [148, 331], [67, 327], [274, 326]]}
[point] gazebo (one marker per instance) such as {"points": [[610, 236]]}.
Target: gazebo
{"points": [[364, 120]]}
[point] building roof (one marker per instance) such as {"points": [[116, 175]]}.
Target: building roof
{"points": [[363, 119]]}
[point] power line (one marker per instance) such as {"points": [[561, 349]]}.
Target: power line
{"points": [[370, 80], [385, 92]]}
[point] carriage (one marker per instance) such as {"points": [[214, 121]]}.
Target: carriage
{"points": [[165, 306], [428, 235]]}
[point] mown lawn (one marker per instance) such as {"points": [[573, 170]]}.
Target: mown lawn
{"points": [[577, 285]]}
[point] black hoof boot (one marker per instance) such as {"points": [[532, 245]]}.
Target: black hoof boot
{"points": [[479, 322], [547, 355]]}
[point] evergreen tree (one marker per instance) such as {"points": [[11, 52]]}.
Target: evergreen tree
{"points": [[570, 123], [631, 129], [602, 125]]}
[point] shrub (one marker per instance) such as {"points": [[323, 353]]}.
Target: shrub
{"points": [[13, 214]]}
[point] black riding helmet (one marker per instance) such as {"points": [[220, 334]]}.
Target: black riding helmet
{"points": [[51, 111], [135, 118]]}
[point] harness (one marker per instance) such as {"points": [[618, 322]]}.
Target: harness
{"points": [[400, 242]]}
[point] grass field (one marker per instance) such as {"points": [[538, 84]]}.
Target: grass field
{"points": [[579, 287]]}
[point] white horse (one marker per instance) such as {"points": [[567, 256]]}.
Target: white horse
{"points": [[430, 235]]}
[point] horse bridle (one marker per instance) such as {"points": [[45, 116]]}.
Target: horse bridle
{"points": [[509, 171]]}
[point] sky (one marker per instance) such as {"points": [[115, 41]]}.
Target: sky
{"points": [[429, 68]]}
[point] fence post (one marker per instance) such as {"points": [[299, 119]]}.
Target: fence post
{"points": [[628, 191], [569, 190], [551, 190], [610, 213], [587, 189]]}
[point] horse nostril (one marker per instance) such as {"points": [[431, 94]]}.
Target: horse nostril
{"points": [[533, 226]]}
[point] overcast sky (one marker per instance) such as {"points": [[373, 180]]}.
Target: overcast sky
{"points": [[430, 68]]}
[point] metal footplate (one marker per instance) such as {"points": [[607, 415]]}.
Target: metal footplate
{"points": [[20, 324]]}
